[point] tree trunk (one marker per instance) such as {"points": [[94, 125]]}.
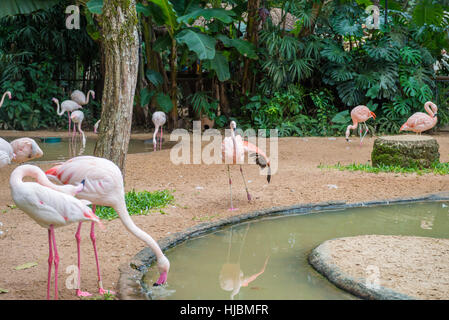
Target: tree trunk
{"points": [[173, 84], [120, 40], [251, 34]]}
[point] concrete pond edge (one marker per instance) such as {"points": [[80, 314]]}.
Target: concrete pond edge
{"points": [[131, 287]]}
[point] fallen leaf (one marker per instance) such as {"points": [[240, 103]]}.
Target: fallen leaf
{"points": [[26, 266], [3, 290]]}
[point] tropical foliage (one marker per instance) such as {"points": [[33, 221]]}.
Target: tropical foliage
{"points": [[300, 70]]}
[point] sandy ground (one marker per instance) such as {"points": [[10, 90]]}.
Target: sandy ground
{"points": [[415, 266], [298, 180]]}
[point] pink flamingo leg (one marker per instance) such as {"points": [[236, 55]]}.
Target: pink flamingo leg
{"points": [[230, 190], [50, 262], [160, 148], [93, 238], [70, 122], [74, 130], [56, 260], [79, 293], [244, 181]]}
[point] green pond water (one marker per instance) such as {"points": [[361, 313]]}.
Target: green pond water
{"points": [[67, 148], [219, 264]]}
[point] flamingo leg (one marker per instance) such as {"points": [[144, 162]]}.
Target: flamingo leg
{"points": [[70, 122], [93, 238], [79, 293], [230, 189], [366, 131], [50, 262], [244, 181], [52, 231], [160, 144]]}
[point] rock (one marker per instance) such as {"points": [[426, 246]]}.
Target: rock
{"points": [[405, 151]]}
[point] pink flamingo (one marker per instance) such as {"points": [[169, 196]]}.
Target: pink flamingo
{"points": [[4, 95], [25, 149], [233, 151], [159, 118], [80, 98], [359, 115], [420, 121], [96, 126], [51, 206], [77, 117], [6, 153], [66, 105], [104, 186]]}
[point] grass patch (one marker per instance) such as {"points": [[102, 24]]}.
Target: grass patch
{"points": [[139, 203], [441, 168]]}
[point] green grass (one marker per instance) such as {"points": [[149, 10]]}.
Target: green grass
{"points": [[441, 168], [139, 203]]}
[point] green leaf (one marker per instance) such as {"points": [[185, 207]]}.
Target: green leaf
{"points": [[26, 266], [95, 6], [154, 77], [3, 290], [162, 43], [208, 14], [244, 47], [341, 117], [140, 8], [169, 14], [164, 102], [13, 7], [202, 44], [145, 96], [221, 67]]}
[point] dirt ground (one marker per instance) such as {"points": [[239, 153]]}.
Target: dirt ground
{"points": [[202, 194], [415, 266]]}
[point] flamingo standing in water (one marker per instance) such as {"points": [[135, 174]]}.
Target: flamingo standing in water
{"points": [[103, 185], [159, 118], [421, 121], [7, 93], [51, 206], [66, 105], [77, 117], [80, 98], [359, 115], [233, 151]]}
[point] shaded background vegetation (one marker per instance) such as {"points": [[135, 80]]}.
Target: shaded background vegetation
{"points": [[298, 66]]}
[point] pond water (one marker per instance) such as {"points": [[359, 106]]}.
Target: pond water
{"points": [[66, 148], [267, 258]]}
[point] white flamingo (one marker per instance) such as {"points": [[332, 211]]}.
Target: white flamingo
{"points": [[77, 118], [66, 105], [159, 118], [7, 93], [6, 153], [103, 185], [25, 149], [96, 126], [80, 98], [51, 206]]}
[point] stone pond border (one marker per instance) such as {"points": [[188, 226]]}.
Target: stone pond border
{"points": [[130, 286]]}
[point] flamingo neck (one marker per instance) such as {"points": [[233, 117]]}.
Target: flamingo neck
{"points": [[58, 111], [3, 98], [122, 211], [430, 111], [88, 93], [156, 128], [234, 145]]}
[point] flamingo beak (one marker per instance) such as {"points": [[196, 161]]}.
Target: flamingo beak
{"points": [[162, 279]]}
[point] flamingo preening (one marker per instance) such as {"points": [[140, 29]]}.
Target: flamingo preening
{"points": [[159, 118], [233, 151], [96, 126], [80, 98], [77, 117], [66, 105], [359, 114], [103, 185], [25, 149], [7, 93], [51, 206], [421, 121]]}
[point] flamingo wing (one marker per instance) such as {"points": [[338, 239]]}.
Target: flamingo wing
{"points": [[260, 157]]}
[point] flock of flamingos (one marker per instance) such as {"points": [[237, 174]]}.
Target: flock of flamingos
{"points": [[61, 195]]}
